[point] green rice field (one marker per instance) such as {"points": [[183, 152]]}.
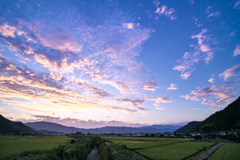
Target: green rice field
{"points": [[163, 148], [229, 151], [16, 144]]}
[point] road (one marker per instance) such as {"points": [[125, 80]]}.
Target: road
{"points": [[205, 155]]}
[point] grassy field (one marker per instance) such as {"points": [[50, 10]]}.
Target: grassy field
{"points": [[162, 148], [229, 151], [16, 144]]}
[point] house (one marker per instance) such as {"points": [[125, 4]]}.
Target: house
{"points": [[194, 134]]}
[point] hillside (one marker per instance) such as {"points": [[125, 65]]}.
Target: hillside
{"points": [[7, 126], [226, 119], [191, 126]]}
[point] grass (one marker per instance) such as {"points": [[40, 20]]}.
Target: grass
{"points": [[16, 144], [163, 148], [229, 151]]}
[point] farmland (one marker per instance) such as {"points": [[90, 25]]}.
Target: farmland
{"points": [[117, 148], [16, 144], [162, 148], [229, 151], [38, 148]]}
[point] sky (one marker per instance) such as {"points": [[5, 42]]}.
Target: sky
{"points": [[118, 63]]}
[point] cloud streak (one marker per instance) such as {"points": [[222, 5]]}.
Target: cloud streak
{"points": [[202, 52], [231, 72], [236, 51]]}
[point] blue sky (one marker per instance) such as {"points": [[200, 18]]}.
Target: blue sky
{"points": [[118, 63]]}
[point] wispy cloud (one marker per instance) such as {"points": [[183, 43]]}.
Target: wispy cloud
{"points": [[212, 14], [128, 25], [211, 80], [134, 103], [236, 51], [231, 72], [196, 22], [160, 108], [237, 5], [191, 2], [216, 95], [22, 82], [172, 87], [202, 39], [202, 52]]}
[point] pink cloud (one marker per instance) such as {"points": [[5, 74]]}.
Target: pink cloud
{"points": [[163, 10], [216, 95], [9, 31], [236, 51], [160, 108], [150, 85], [211, 80], [231, 72], [56, 38], [214, 14], [128, 25], [95, 90], [202, 39], [209, 57], [134, 103], [163, 100], [172, 87]]}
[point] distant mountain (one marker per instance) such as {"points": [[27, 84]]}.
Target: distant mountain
{"points": [[166, 128], [52, 127], [191, 126], [60, 128], [7, 126], [226, 119]]}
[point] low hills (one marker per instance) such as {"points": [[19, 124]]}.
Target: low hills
{"points": [[226, 119], [7, 126]]}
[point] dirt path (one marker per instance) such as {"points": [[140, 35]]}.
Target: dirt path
{"points": [[208, 153]]}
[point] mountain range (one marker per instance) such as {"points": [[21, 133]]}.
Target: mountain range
{"points": [[226, 119], [109, 129]]}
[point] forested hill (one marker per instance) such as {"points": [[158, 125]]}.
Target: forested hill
{"points": [[7, 126], [226, 119], [188, 128]]}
